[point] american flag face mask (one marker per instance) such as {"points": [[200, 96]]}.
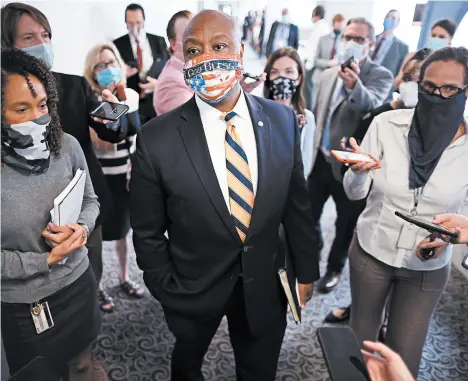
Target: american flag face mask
{"points": [[213, 77]]}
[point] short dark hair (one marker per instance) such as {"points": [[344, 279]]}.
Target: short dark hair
{"points": [[364, 21], [447, 24], [458, 55], [298, 101], [11, 13], [135, 7], [319, 11], [171, 24], [15, 61], [392, 11]]}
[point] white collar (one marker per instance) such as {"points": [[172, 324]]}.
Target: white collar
{"points": [[142, 36], [241, 109]]}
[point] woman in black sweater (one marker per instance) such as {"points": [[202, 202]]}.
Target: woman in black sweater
{"points": [[25, 27], [408, 99]]}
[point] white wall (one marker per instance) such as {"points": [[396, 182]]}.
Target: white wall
{"points": [[77, 25]]}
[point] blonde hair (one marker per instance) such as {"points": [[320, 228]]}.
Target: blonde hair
{"points": [[92, 59]]}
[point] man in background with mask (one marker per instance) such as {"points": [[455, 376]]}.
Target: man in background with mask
{"points": [[389, 51], [283, 34], [219, 174], [327, 53], [343, 98], [143, 53]]}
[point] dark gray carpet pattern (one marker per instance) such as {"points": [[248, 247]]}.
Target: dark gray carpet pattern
{"points": [[135, 343]]}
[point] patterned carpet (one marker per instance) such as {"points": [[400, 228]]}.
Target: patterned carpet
{"points": [[135, 344]]}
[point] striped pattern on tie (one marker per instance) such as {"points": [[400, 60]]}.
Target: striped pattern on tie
{"points": [[241, 193]]}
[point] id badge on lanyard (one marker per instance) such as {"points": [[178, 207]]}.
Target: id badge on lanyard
{"points": [[408, 232]]}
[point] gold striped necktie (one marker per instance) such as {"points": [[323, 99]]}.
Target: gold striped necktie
{"points": [[241, 193]]}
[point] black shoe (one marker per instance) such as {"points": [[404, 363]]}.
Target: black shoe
{"points": [[332, 318], [328, 282]]}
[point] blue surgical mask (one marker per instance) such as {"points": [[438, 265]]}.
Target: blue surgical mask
{"points": [[109, 76], [389, 23], [43, 52], [436, 43]]}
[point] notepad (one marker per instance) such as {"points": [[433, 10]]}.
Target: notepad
{"points": [[67, 205], [289, 295]]}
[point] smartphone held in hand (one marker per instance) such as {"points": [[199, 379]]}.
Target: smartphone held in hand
{"points": [[352, 157], [109, 111]]}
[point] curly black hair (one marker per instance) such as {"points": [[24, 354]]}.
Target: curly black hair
{"points": [[15, 61]]}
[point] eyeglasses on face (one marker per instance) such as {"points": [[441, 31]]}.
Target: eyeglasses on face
{"points": [[358, 39], [105, 65], [445, 91]]}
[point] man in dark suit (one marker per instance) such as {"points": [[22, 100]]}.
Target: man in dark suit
{"points": [[219, 174], [389, 51], [282, 34], [143, 53]]}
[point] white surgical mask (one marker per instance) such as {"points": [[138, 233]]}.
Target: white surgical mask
{"points": [[352, 49], [409, 93]]}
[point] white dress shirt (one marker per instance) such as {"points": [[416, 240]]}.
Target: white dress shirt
{"points": [[446, 191], [146, 52], [215, 133], [320, 29]]}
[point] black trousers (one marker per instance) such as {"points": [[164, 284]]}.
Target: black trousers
{"points": [[94, 247], [256, 357], [322, 184]]}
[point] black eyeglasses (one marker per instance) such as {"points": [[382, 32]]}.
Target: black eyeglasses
{"points": [[445, 91], [105, 65], [358, 39]]}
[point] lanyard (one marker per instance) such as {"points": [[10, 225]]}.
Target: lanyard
{"points": [[417, 197]]}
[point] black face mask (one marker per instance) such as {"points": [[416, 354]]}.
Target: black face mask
{"points": [[337, 31], [283, 88], [435, 123]]}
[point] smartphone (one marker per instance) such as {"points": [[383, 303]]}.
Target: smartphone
{"points": [[347, 63], [465, 262], [342, 354], [109, 111], [429, 226], [248, 75], [351, 157]]}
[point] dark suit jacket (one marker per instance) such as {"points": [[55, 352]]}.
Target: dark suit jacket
{"points": [[174, 187], [293, 41], [395, 56], [76, 101], [158, 49]]}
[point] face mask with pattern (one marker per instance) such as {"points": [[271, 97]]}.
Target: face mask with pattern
{"points": [[283, 88], [213, 77]]}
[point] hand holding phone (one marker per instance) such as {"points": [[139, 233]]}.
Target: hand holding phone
{"points": [[252, 76], [347, 63], [109, 111], [427, 225], [352, 157]]}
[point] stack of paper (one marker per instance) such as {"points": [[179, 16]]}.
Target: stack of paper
{"points": [[67, 205]]}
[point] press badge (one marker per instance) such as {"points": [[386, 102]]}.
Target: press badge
{"points": [[42, 317], [407, 238]]}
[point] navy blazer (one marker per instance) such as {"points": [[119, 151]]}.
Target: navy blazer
{"points": [[174, 188], [293, 40]]}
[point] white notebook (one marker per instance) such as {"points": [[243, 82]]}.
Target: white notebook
{"points": [[67, 205]]}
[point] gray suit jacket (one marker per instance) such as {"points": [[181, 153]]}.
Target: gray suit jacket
{"points": [[395, 56], [370, 91], [324, 51]]}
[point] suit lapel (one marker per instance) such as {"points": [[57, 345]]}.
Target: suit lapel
{"points": [[262, 129], [193, 136]]}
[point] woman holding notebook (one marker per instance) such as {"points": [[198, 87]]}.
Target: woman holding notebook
{"points": [[49, 309]]}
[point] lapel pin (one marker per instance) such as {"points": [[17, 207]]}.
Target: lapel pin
{"points": [[260, 123]]}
